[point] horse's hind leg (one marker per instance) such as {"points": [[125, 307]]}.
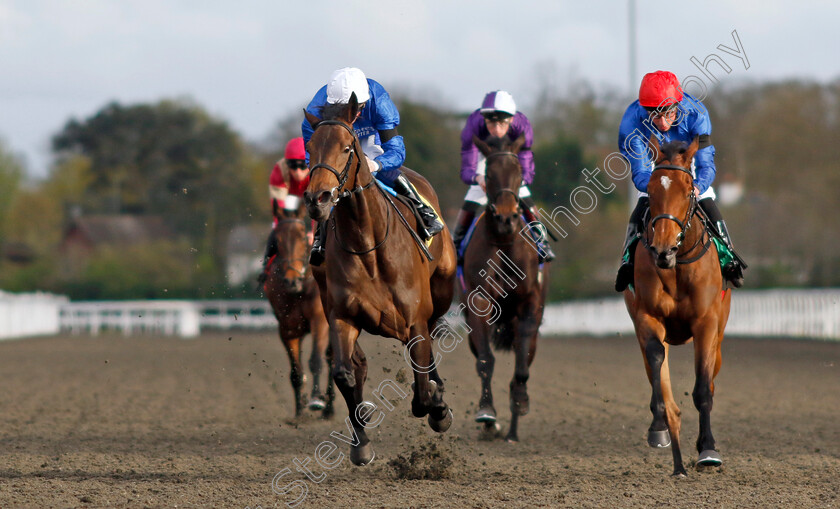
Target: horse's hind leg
{"points": [[666, 415], [707, 360], [296, 373], [343, 336]]}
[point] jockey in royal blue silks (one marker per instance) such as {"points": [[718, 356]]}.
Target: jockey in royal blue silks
{"points": [[376, 128], [665, 110], [497, 117]]}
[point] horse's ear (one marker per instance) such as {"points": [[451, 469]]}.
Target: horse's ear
{"points": [[517, 144], [352, 109], [692, 149], [312, 119], [482, 147], [654, 149]]}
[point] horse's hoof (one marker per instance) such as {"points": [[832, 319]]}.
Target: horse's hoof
{"points": [[679, 474], [709, 458], [362, 455], [443, 424], [486, 415], [659, 439], [317, 404], [512, 439]]}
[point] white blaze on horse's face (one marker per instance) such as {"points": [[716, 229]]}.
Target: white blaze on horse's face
{"points": [[666, 182]]}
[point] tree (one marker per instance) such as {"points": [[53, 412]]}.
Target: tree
{"points": [[170, 158]]}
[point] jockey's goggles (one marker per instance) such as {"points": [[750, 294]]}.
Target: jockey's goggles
{"points": [[497, 116], [661, 112], [296, 164]]}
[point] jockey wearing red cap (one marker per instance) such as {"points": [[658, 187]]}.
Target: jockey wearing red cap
{"points": [[289, 179], [667, 112]]}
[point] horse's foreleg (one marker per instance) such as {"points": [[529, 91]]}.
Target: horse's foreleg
{"points": [[428, 395], [320, 340], [525, 346], [484, 364], [707, 360], [296, 372], [672, 414], [664, 419], [343, 336]]}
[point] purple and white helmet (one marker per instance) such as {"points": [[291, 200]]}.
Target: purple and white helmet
{"points": [[499, 102]]}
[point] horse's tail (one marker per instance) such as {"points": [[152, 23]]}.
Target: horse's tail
{"points": [[503, 335]]}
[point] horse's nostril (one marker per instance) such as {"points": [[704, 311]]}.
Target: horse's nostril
{"points": [[674, 249], [324, 197]]}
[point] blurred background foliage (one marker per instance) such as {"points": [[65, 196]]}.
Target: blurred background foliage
{"points": [[776, 145]]}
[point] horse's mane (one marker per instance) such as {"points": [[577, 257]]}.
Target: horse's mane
{"points": [[498, 144]]}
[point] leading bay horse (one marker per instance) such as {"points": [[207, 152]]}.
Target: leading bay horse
{"points": [[296, 302], [502, 270], [679, 296], [374, 277]]}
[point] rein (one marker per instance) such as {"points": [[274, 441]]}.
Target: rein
{"points": [[685, 224]]}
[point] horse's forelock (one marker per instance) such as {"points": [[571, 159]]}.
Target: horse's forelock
{"points": [[333, 111], [674, 150]]}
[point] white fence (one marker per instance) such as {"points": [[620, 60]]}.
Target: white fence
{"points": [[29, 314], [787, 313], [169, 317]]}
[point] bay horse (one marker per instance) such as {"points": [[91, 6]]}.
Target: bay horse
{"points": [[295, 300], [501, 268], [679, 296], [374, 277]]}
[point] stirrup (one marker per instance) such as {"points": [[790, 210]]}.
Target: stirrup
{"points": [[733, 273]]}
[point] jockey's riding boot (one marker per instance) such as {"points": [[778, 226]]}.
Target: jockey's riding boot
{"points": [[545, 253], [625, 272], [634, 228], [431, 224], [732, 271], [462, 225], [270, 251], [319, 252]]}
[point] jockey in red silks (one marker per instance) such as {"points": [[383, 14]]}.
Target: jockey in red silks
{"points": [[289, 179]]}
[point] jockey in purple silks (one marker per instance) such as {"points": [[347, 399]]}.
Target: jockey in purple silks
{"points": [[496, 117]]}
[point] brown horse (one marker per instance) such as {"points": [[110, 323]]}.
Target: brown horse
{"points": [[375, 277], [502, 270], [294, 297], [679, 297]]}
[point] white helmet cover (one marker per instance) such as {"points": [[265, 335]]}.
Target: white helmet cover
{"points": [[344, 82]]}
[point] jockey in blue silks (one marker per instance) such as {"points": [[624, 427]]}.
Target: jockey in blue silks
{"points": [[376, 128], [663, 109]]}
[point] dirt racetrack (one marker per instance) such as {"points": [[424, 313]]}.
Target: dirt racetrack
{"points": [[161, 422]]}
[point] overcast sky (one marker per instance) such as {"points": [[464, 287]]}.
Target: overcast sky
{"points": [[255, 62]]}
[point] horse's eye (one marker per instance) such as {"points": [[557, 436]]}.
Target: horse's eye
{"points": [[347, 149]]}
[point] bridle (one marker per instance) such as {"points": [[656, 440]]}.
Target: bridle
{"points": [[286, 263], [491, 203], [685, 224], [342, 177]]}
